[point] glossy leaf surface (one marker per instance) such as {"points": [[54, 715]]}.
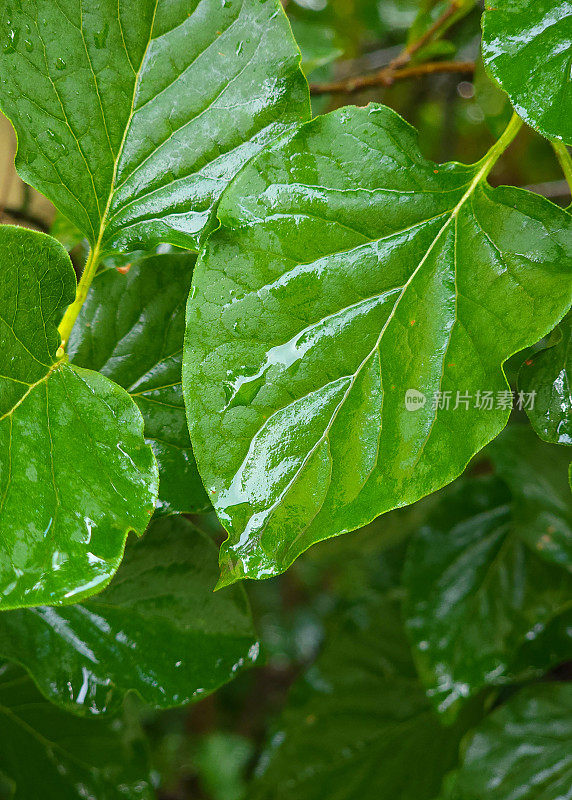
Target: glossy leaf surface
{"points": [[549, 375], [158, 630], [537, 475], [75, 473], [133, 123], [131, 330], [360, 726], [349, 272], [522, 750], [478, 597], [526, 47], [47, 753]]}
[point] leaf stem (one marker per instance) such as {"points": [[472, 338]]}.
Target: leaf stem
{"points": [[72, 311], [501, 144], [565, 159]]}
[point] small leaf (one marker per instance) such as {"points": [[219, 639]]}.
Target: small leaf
{"points": [[75, 473], [49, 754], [526, 48], [360, 725], [478, 597], [157, 630], [522, 750], [133, 123], [131, 330], [548, 374], [348, 273]]}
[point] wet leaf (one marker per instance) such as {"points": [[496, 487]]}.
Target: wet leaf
{"points": [[157, 630], [549, 375], [350, 275], [131, 330], [47, 753], [482, 608], [538, 478], [75, 473], [526, 48], [523, 749], [360, 725], [133, 123]]}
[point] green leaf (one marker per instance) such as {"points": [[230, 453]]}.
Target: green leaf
{"points": [[360, 723], [75, 473], [538, 479], [134, 123], [347, 271], [131, 329], [49, 754], [522, 750], [549, 375], [157, 630], [478, 597], [526, 48]]}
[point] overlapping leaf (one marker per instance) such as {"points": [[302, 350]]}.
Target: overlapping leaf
{"points": [[361, 725], [158, 630], [349, 274], [75, 473], [523, 749], [131, 330], [132, 120], [538, 480], [526, 47], [482, 608], [49, 754], [548, 374]]}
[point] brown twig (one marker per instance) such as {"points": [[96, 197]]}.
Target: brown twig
{"points": [[396, 69], [387, 76], [405, 56]]}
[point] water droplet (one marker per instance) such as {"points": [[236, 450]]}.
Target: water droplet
{"points": [[239, 47], [28, 45], [60, 64]]}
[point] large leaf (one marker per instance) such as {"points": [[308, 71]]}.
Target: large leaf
{"points": [[132, 119], [538, 478], [361, 725], [478, 597], [131, 329], [526, 48], [348, 271], [548, 374], [158, 629], [75, 473], [522, 750], [47, 753]]}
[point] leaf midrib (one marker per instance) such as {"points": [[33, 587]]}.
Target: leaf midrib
{"points": [[484, 168]]}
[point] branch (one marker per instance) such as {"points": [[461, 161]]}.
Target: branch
{"points": [[405, 56], [389, 74]]}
